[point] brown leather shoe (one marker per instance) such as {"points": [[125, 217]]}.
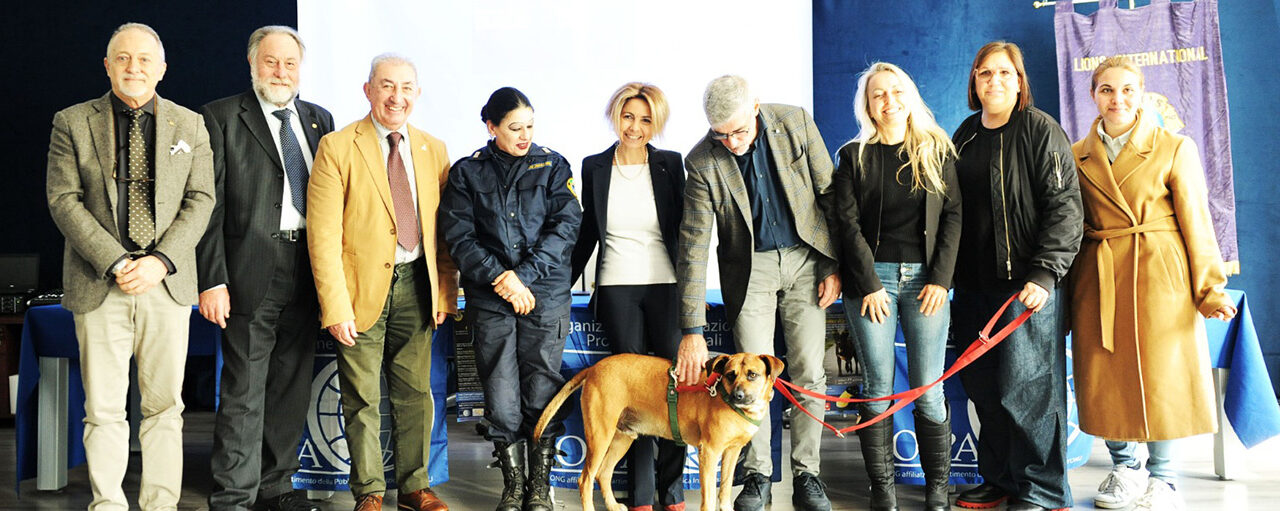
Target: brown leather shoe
{"points": [[421, 500], [369, 502]]}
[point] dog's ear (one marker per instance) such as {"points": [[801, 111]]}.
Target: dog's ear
{"points": [[773, 365], [716, 365]]}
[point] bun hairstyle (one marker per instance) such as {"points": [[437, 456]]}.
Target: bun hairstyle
{"points": [[501, 103]]}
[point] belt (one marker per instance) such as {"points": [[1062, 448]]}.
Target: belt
{"points": [[292, 235], [1107, 272]]}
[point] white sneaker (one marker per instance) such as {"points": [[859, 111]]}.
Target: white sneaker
{"points": [[1159, 497], [1119, 489]]}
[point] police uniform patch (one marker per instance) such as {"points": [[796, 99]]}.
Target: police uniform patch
{"points": [[572, 190], [539, 165]]}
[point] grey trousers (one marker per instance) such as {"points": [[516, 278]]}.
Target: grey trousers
{"points": [[785, 283]]}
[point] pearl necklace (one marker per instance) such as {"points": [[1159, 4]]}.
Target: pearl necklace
{"points": [[623, 173]]}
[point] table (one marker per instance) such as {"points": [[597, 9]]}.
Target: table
{"points": [[1246, 401]]}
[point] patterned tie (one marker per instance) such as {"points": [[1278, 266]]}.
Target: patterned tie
{"points": [[295, 167], [142, 227], [401, 196]]}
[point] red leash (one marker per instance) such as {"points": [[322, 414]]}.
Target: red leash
{"points": [[977, 348]]}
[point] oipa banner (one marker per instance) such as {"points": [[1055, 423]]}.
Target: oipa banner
{"points": [[1180, 52]]}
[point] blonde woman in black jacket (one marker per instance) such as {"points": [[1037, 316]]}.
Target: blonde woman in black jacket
{"points": [[898, 218]]}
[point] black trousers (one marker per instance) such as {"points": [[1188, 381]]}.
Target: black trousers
{"points": [[268, 353], [645, 319], [518, 358]]}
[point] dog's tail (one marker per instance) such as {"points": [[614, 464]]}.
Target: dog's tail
{"points": [[553, 407]]}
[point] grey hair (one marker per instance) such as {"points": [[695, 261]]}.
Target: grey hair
{"points": [[258, 35], [390, 58], [726, 97], [136, 26]]}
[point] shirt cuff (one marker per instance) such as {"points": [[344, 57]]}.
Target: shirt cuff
{"points": [[115, 266], [211, 288]]}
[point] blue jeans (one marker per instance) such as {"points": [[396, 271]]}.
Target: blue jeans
{"points": [[1019, 391], [1159, 457], [926, 339]]}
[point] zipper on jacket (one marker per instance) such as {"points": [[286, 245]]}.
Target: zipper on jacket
{"points": [[1057, 169], [1008, 251]]}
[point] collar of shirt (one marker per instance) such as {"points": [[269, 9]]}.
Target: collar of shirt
{"points": [[383, 131], [1113, 145], [269, 109], [118, 105]]}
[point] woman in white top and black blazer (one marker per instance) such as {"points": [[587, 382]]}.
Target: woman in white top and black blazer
{"points": [[632, 206]]}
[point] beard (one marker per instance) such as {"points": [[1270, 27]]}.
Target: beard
{"points": [[274, 94]]}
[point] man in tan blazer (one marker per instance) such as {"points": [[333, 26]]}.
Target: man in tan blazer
{"points": [[130, 185], [383, 281]]}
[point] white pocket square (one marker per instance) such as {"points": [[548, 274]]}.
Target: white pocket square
{"points": [[181, 146]]}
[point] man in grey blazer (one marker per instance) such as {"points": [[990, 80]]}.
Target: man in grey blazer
{"points": [[130, 185], [763, 175], [255, 276]]}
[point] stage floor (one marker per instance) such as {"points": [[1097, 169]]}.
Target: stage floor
{"points": [[473, 487]]}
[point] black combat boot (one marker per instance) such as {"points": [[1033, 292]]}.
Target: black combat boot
{"points": [[537, 490], [511, 460], [877, 452], [934, 439]]}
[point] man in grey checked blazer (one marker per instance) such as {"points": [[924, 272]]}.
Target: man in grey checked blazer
{"points": [[763, 176], [130, 272]]}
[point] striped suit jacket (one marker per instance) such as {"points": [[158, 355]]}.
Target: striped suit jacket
{"points": [[715, 192]]}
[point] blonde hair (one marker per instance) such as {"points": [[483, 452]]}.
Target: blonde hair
{"points": [[649, 93], [926, 146], [1124, 63]]}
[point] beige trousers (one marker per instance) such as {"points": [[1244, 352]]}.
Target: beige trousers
{"points": [[153, 329]]}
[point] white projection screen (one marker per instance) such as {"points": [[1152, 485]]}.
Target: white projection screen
{"points": [[567, 56]]}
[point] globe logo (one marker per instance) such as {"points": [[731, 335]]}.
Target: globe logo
{"points": [[326, 429]]}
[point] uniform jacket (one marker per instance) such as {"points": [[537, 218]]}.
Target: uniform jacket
{"points": [[1035, 204], [715, 192], [1149, 264], [858, 185], [250, 179], [527, 224], [351, 224], [82, 196], [667, 174]]}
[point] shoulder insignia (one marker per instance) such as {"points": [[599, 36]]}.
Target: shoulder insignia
{"points": [[546, 150], [569, 185], [475, 154]]}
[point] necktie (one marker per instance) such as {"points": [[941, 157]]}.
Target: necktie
{"points": [[295, 167], [401, 196], [142, 227]]}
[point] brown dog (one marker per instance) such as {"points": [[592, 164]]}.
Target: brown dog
{"points": [[625, 395]]}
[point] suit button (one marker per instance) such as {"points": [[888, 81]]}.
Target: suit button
{"points": [[386, 265], [393, 232], [512, 214], [277, 205]]}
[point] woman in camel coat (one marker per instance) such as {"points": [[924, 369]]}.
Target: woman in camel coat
{"points": [[1148, 269]]}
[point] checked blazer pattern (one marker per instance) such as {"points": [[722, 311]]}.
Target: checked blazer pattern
{"points": [[715, 193]]}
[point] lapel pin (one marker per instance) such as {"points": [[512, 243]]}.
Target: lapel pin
{"points": [[171, 123], [424, 147]]}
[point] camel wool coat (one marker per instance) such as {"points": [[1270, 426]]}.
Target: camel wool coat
{"points": [[1148, 266]]}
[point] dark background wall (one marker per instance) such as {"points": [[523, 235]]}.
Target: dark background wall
{"points": [[935, 43], [58, 48]]}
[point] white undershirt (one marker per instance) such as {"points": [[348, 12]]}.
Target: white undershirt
{"points": [[406, 154], [633, 252], [290, 218]]}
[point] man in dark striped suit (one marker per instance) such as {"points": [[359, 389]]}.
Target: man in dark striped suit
{"points": [[763, 175], [255, 276]]}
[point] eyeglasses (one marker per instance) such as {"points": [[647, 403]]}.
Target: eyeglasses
{"points": [[1003, 74], [716, 135]]}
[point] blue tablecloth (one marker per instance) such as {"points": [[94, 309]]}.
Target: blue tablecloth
{"points": [[1250, 401], [49, 331]]}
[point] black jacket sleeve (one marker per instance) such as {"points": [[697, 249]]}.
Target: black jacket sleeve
{"points": [[947, 247], [1057, 200], [856, 257]]}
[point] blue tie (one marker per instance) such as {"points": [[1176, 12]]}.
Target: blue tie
{"points": [[295, 167]]}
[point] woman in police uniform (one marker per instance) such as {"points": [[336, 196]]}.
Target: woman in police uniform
{"points": [[510, 219]]}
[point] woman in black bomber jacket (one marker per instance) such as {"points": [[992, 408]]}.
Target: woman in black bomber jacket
{"points": [[1022, 227], [898, 219]]}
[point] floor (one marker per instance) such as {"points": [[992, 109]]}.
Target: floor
{"points": [[1255, 484]]}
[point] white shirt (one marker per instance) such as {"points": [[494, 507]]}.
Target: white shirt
{"points": [[633, 253], [290, 217], [1114, 145], [406, 154]]}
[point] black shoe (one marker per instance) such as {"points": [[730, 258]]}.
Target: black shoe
{"points": [[934, 439], [809, 493], [984, 496], [289, 501], [876, 443], [537, 487], [511, 459], [755, 493]]}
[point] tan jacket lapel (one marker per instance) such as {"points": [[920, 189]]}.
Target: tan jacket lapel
{"points": [[370, 149], [1099, 172], [102, 129], [1135, 152]]}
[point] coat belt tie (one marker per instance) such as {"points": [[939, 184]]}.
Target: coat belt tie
{"points": [[1106, 270]]}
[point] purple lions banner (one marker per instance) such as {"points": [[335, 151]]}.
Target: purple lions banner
{"points": [[1180, 52]]}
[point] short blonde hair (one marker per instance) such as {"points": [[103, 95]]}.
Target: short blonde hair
{"points": [[647, 92], [1121, 62]]}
